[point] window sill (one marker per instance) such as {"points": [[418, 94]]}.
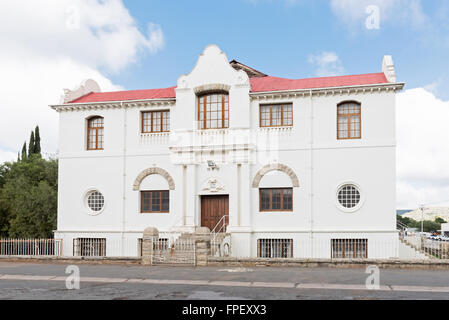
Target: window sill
{"points": [[154, 212], [276, 129], [155, 133]]}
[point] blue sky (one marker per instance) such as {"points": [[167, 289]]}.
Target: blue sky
{"points": [[132, 44], [278, 37]]}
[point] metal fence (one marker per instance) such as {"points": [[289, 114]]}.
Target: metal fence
{"points": [[431, 248], [169, 251], [30, 247]]}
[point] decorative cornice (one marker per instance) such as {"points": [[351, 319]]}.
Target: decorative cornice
{"points": [[296, 93], [300, 93], [114, 105]]}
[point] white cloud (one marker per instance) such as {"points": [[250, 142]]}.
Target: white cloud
{"points": [[94, 32], [327, 64], [353, 12], [423, 148], [50, 45]]}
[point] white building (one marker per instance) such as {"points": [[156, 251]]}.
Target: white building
{"points": [[445, 229], [308, 162]]}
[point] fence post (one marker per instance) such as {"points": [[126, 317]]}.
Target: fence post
{"points": [[202, 246], [150, 236]]}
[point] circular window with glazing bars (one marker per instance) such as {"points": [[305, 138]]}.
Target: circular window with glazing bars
{"points": [[95, 201], [349, 196]]}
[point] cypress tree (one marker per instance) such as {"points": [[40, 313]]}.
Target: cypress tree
{"points": [[18, 156], [24, 151], [37, 141], [31, 145]]}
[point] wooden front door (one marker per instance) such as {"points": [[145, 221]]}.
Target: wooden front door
{"points": [[213, 208]]}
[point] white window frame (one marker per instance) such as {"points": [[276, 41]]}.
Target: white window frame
{"points": [[358, 206], [88, 210]]}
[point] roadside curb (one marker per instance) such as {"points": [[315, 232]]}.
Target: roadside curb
{"points": [[248, 262]]}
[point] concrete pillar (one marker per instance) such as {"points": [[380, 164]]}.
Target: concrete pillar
{"points": [[150, 236], [191, 196]]}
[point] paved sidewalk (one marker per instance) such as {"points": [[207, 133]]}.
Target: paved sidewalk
{"points": [[258, 284]]}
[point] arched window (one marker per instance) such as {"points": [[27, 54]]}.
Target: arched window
{"points": [[95, 129], [349, 120], [213, 110]]}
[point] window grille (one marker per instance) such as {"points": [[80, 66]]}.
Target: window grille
{"points": [[275, 248], [95, 201], [89, 247], [349, 248], [349, 196]]}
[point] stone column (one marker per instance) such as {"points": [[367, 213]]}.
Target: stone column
{"points": [[202, 245], [150, 235]]}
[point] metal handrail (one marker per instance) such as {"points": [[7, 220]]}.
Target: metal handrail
{"points": [[401, 226], [221, 222]]}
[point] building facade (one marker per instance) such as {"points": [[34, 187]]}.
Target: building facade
{"points": [[292, 168]]}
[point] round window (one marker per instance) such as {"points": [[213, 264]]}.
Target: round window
{"points": [[348, 196], [95, 201]]}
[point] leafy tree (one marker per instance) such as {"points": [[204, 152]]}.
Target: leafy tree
{"points": [[24, 151], [4, 224], [428, 226], [31, 145], [440, 220], [37, 141], [29, 195]]}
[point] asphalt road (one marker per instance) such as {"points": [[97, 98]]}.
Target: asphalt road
{"points": [[121, 282]]}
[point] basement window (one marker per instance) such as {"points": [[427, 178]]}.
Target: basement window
{"points": [[89, 247], [349, 248], [275, 248]]}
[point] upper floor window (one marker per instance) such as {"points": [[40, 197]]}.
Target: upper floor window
{"points": [[277, 115], [155, 121], [213, 111], [276, 199], [95, 132], [349, 120]]}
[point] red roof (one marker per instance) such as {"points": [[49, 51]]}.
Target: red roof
{"points": [[127, 95], [258, 84], [279, 84]]}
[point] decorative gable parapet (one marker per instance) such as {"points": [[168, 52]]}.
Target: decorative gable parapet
{"points": [[88, 86]]}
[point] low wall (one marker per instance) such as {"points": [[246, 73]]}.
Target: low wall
{"points": [[329, 263]]}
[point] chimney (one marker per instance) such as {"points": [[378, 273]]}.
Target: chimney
{"points": [[388, 68]]}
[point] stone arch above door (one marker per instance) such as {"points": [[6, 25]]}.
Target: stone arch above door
{"points": [[275, 167], [145, 173]]}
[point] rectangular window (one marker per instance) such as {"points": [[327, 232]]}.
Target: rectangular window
{"points": [[154, 201], [349, 248], [95, 133], [277, 115], [213, 111], [275, 248], [276, 199], [89, 247], [155, 121], [348, 121]]}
